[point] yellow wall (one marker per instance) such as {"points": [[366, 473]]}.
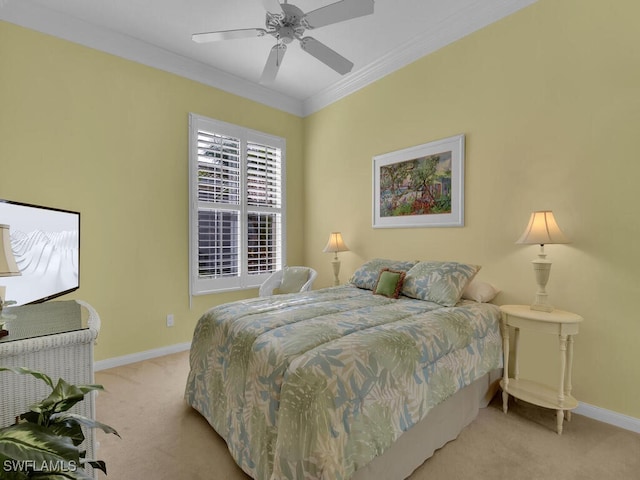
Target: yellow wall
{"points": [[84, 130], [549, 101]]}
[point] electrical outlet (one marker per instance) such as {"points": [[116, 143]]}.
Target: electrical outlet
{"points": [[170, 320]]}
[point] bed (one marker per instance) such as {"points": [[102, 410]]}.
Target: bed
{"points": [[343, 383]]}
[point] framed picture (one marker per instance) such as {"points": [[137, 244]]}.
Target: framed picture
{"points": [[421, 186]]}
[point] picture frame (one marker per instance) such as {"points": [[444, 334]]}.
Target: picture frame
{"points": [[420, 186]]}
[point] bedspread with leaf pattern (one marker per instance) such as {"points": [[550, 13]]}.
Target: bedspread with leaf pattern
{"points": [[317, 384]]}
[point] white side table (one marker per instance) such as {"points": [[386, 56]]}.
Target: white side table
{"points": [[558, 322]]}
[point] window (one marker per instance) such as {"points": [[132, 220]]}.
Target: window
{"points": [[237, 219]]}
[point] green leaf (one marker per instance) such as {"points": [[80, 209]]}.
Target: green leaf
{"points": [[32, 451], [74, 418], [45, 445], [10, 475], [67, 429], [97, 464], [29, 441], [63, 397], [27, 371]]}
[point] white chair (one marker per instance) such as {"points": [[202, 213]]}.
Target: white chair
{"points": [[288, 280]]}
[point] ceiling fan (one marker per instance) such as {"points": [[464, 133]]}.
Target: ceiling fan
{"points": [[286, 22]]}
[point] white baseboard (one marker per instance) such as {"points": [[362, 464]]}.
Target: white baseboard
{"points": [[138, 357], [608, 416], [597, 413]]}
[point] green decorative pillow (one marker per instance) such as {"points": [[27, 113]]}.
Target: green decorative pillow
{"points": [[389, 283], [293, 278], [438, 282], [367, 275]]}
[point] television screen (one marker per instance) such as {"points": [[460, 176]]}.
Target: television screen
{"points": [[46, 245]]}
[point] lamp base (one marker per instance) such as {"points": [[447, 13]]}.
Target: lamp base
{"points": [[335, 263], [542, 307], [542, 269]]}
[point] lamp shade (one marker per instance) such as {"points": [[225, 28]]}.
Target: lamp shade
{"points": [[542, 229], [335, 243], [8, 266]]}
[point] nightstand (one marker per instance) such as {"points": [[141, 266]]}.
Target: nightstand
{"points": [[558, 322]]}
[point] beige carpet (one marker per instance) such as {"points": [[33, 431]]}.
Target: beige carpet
{"points": [[162, 438]]}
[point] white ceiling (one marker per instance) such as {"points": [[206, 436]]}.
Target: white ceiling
{"points": [[158, 33]]}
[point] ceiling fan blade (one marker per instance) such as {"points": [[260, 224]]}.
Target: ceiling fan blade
{"points": [[272, 6], [327, 56], [339, 12], [227, 35], [273, 63]]}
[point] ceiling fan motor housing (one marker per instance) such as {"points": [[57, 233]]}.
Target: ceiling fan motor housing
{"points": [[286, 26]]}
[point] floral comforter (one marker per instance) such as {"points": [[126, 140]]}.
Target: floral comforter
{"points": [[317, 384]]}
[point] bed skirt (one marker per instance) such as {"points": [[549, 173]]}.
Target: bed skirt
{"points": [[442, 424]]}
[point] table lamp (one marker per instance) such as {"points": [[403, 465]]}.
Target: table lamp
{"points": [[335, 245], [542, 229], [8, 267]]}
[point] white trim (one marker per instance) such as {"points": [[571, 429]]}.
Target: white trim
{"points": [[456, 26], [243, 279], [92, 36], [453, 28], [608, 416], [140, 356]]}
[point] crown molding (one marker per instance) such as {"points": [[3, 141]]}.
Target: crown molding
{"points": [[78, 31], [455, 27]]}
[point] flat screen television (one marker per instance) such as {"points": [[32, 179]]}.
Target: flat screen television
{"points": [[46, 245]]}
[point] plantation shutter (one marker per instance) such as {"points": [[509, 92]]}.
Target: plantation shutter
{"points": [[264, 200], [219, 196], [237, 220]]}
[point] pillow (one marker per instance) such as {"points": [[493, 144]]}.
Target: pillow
{"points": [[481, 292], [367, 275], [438, 282], [389, 283], [293, 278]]}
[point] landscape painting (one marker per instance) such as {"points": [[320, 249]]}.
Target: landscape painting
{"points": [[420, 186]]}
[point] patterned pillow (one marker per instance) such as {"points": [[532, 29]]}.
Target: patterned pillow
{"points": [[438, 282], [389, 283], [367, 275]]}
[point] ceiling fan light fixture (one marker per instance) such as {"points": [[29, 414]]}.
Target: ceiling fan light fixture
{"points": [[286, 34]]}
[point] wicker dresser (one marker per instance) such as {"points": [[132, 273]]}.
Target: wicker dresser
{"points": [[56, 338]]}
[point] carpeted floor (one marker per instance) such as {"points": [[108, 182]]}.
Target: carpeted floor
{"points": [[164, 439]]}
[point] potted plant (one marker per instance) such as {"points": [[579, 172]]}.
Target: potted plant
{"points": [[45, 441]]}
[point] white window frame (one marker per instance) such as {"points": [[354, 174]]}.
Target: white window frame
{"points": [[244, 280]]}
